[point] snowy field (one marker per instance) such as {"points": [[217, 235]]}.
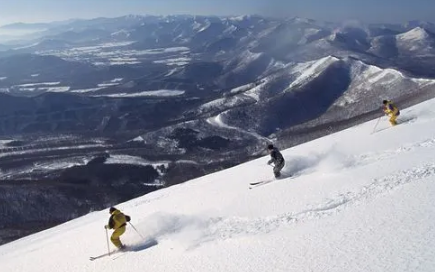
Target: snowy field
{"points": [[55, 164], [165, 93], [356, 202], [117, 53], [3, 143]]}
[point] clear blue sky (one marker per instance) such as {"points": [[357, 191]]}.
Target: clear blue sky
{"points": [[332, 10]]}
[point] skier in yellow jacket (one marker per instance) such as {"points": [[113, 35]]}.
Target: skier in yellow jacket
{"points": [[118, 222], [392, 111]]}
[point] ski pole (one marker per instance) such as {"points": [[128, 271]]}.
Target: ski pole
{"points": [[107, 240], [136, 230], [379, 119]]}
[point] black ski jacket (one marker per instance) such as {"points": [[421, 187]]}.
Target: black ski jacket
{"points": [[276, 157]]}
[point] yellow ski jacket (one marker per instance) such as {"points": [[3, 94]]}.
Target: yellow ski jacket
{"points": [[390, 108], [118, 220]]}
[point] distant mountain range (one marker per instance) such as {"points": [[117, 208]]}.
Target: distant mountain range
{"points": [[248, 78], [189, 95]]}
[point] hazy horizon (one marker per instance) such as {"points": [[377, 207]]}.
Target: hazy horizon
{"points": [[370, 11]]}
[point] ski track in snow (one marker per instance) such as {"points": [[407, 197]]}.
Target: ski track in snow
{"points": [[201, 230], [195, 231], [333, 160], [389, 154]]}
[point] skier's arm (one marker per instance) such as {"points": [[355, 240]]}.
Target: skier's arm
{"points": [[110, 223], [272, 157]]}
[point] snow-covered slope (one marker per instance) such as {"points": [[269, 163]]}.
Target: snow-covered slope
{"points": [[312, 69], [368, 81], [364, 78], [417, 41], [356, 202]]}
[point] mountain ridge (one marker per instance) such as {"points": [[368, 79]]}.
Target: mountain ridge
{"points": [[178, 97]]}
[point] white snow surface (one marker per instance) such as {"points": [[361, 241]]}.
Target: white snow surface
{"points": [[110, 83], [255, 92], [311, 69], [174, 61], [172, 71], [122, 61], [217, 121], [246, 58], [39, 84], [4, 142], [416, 40], [37, 150], [207, 25], [147, 93], [103, 45], [417, 33], [357, 202], [48, 165], [113, 53], [107, 84], [26, 46], [242, 88], [59, 89], [118, 79], [366, 77], [224, 102], [127, 159], [87, 90]]}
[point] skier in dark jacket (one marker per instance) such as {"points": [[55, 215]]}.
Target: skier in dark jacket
{"points": [[118, 222], [277, 159]]}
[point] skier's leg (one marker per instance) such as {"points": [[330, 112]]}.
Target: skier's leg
{"points": [[115, 237], [277, 169], [393, 118]]}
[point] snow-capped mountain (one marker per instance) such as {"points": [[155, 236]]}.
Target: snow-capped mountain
{"points": [[189, 95], [304, 91], [349, 201], [133, 41], [417, 42]]}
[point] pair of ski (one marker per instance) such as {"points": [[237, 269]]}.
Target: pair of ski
{"points": [[253, 185], [114, 254], [399, 122]]}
